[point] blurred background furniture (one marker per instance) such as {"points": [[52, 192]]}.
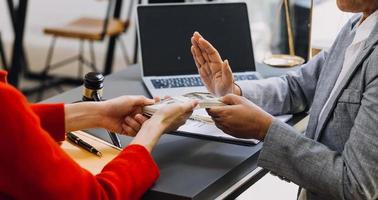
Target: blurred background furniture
{"points": [[84, 29], [18, 63], [91, 30], [3, 59], [20, 69], [272, 23], [166, 1], [302, 41]]}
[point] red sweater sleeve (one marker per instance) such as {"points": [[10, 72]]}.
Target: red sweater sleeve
{"points": [[34, 167], [3, 76], [52, 119], [51, 115]]}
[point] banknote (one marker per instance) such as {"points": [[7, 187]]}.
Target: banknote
{"points": [[205, 100]]}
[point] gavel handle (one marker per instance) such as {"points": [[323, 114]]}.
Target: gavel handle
{"points": [[113, 136]]}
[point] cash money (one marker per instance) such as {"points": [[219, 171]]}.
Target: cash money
{"points": [[205, 100]]}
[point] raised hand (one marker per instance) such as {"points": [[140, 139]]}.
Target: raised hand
{"points": [[215, 73]]}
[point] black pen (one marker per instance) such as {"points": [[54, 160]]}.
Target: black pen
{"points": [[81, 143]]}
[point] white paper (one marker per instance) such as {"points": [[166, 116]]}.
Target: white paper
{"points": [[208, 129]]}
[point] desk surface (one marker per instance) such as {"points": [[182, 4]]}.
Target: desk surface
{"points": [[190, 168]]}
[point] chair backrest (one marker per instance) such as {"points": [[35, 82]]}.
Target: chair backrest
{"points": [[132, 4], [3, 61], [166, 1], [109, 15]]}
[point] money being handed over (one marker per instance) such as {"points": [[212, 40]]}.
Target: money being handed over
{"points": [[205, 100]]}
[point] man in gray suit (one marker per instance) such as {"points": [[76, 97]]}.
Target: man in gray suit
{"points": [[337, 158]]}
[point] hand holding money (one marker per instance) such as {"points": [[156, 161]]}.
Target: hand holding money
{"points": [[205, 100], [167, 119], [174, 115]]}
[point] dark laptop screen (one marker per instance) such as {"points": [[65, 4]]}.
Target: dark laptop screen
{"points": [[165, 32]]}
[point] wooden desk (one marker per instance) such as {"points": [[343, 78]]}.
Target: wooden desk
{"points": [[87, 160]]}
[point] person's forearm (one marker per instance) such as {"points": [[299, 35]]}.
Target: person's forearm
{"points": [[82, 115], [291, 93], [149, 134]]}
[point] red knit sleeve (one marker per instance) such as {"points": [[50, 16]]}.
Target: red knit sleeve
{"points": [[51, 115], [34, 167], [52, 119], [3, 76]]}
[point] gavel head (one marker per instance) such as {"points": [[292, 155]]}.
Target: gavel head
{"points": [[93, 83]]}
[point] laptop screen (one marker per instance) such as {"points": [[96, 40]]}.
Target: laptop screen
{"points": [[165, 32]]}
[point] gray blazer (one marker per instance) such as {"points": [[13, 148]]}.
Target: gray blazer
{"points": [[337, 158]]}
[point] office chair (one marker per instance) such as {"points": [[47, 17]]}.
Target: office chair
{"points": [[3, 58], [166, 1], [90, 30]]}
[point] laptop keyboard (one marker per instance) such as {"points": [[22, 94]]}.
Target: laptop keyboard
{"points": [[192, 81]]}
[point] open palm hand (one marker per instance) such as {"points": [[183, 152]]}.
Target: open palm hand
{"points": [[215, 73]]}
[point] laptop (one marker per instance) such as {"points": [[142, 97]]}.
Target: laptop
{"points": [[165, 31]]}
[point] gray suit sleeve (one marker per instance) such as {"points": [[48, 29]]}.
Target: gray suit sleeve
{"points": [[291, 93], [351, 174]]}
